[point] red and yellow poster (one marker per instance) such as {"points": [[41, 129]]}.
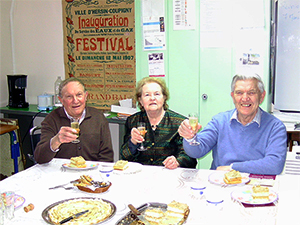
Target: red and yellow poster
{"points": [[99, 48]]}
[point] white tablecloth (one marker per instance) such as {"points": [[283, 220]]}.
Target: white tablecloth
{"points": [[151, 184]]}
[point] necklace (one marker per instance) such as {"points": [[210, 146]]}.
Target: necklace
{"points": [[154, 126]]}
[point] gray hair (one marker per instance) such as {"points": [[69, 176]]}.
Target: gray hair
{"points": [[255, 76], [68, 80]]}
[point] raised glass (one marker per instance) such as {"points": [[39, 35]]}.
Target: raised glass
{"points": [[142, 129], [75, 125], [193, 120]]}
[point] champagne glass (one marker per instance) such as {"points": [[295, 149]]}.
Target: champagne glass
{"points": [[193, 120], [75, 125], [142, 129]]}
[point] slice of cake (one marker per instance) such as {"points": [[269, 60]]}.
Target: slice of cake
{"points": [[259, 192], [178, 207], [233, 177], [176, 213], [121, 165], [78, 162], [154, 215]]}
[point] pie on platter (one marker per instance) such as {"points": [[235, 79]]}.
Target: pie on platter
{"points": [[100, 210]]}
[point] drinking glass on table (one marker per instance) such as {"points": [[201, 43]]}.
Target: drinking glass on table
{"points": [[2, 209], [106, 171], [8, 200], [75, 125], [193, 120], [142, 129]]}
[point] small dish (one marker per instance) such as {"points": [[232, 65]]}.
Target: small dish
{"points": [[92, 189], [19, 201]]}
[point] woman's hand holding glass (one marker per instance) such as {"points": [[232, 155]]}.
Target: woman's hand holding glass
{"points": [[142, 129], [138, 135]]}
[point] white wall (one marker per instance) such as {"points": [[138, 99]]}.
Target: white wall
{"points": [[31, 44]]}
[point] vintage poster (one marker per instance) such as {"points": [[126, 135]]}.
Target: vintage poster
{"points": [[99, 48]]}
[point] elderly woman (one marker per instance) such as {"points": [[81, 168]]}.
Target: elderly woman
{"points": [[163, 143]]}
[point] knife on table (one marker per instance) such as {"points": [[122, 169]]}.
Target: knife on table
{"points": [[137, 213], [73, 217], [62, 185]]}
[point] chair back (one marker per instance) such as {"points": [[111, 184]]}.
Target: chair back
{"points": [[35, 135], [293, 136]]}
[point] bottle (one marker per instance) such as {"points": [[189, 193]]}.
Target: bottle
{"points": [[56, 91]]}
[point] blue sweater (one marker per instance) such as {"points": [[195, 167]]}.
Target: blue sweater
{"points": [[251, 149]]}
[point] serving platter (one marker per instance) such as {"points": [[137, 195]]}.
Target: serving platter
{"points": [[130, 218], [218, 178], [46, 216]]}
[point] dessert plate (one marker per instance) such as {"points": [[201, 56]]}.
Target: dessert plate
{"points": [[245, 196], [133, 168], [218, 176], [89, 166]]}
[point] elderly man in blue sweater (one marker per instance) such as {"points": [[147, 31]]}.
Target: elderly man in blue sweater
{"points": [[247, 138]]}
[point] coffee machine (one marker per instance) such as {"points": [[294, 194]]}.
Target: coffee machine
{"points": [[16, 88]]}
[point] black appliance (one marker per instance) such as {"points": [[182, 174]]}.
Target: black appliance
{"points": [[16, 88]]}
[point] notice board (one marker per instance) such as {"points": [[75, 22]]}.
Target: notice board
{"points": [[287, 71], [99, 48]]}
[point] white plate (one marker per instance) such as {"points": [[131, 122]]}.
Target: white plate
{"points": [[245, 196], [218, 178], [89, 166], [133, 167]]}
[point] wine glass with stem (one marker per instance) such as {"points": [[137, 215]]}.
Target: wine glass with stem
{"points": [[193, 120], [141, 126], [75, 125]]}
